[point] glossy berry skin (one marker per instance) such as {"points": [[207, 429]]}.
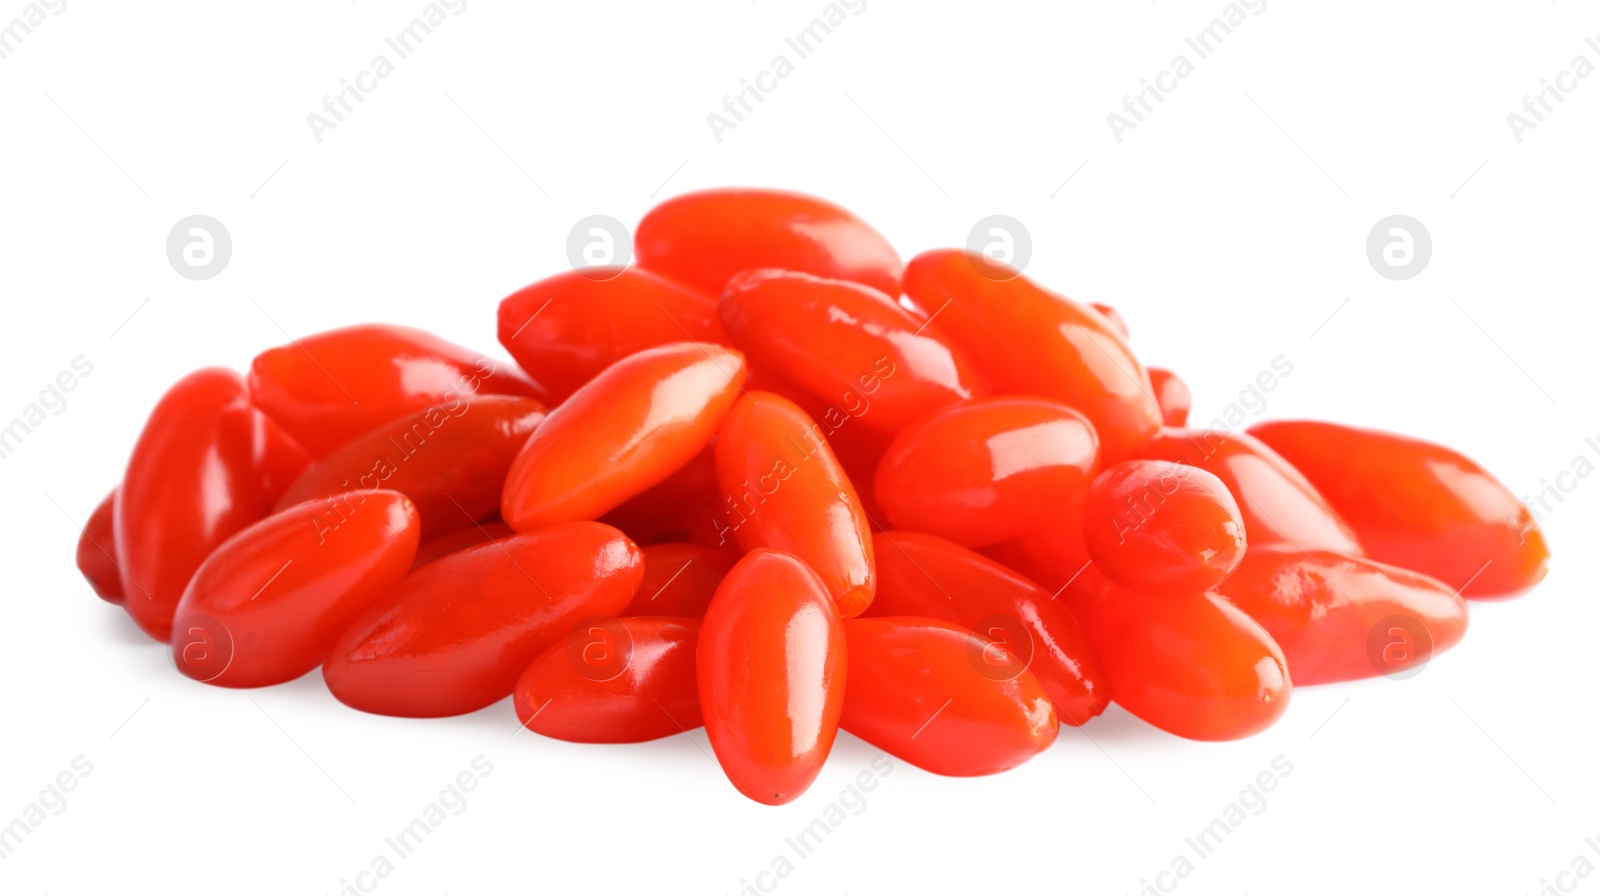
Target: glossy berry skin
{"points": [[332, 387], [702, 239], [846, 345], [1323, 609], [623, 682], [1157, 526], [454, 635], [924, 575], [642, 419], [97, 551], [450, 459], [1172, 394], [1193, 665], [914, 691], [770, 668], [985, 471], [1278, 504], [859, 452], [268, 604], [1026, 340], [567, 328], [784, 489], [680, 579], [843, 423], [460, 540], [207, 464], [1418, 505]]}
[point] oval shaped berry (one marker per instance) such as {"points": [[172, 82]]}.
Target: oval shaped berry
{"points": [[1172, 394], [617, 681], [771, 675], [1418, 505], [450, 459], [268, 604], [846, 344], [331, 387], [567, 328], [97, 550], [1193, 665], [1278, 504], [702, 239], [914, 692], [1328, 612], [1026, 340], [784, 489], [982, 472], [453, 636], [630, 428], [206, 465], [924, 575], [1162, 527]]}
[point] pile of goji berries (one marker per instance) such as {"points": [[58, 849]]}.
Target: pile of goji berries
{"points": [[773, 481]]}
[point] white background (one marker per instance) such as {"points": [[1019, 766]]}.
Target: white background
{"points": [[1228, 228]]}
